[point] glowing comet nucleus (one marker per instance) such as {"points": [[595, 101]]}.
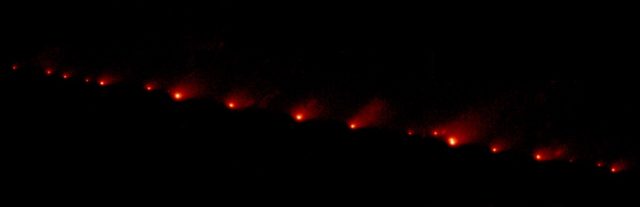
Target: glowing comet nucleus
{"points": [[299, 117], [452, 141], [148, 87], [177, 96], [410, 132]]}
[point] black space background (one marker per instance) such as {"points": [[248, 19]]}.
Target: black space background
{"points": [[580, 58]]}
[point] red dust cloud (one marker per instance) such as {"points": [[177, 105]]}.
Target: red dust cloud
{"points": [[498, 145], [452, 141], [185, 89], [149, 87], [14, 67], [550, 153], [180, 94], [370, 115], [411, 132], [467, 128], [238, 100], [618, 166], [310, 109], [105, 80], [48, 71]]}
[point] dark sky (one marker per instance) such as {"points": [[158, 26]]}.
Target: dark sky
{"points": [[538, 74]]}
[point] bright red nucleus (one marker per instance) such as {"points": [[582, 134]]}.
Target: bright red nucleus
{"points": [[306, 110], [178, 96], [66, 75], [48, 71], [371, 114], [299, 117], [14, 67], [149, 87], [452, 141]]}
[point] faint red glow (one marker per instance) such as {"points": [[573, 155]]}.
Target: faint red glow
{"points": [[555, 152], [305, 110], [102, 83], [371, 114], [148, 87], [65, 75], [435, 133], [410, 132], [14, 67], [600, 164], [452, 141], [299, 117], [48, 71], [494, 149], [242, 99], [87, 80], [618, 166]]}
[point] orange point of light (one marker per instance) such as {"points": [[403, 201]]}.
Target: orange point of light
{"points": [[231, 105], [102, 83], [65, 76], [614, 170], [494, 149], [149, 88], [352, 126], [452, 141], [435, 133], [177, 96], [538, 157], [49, 71], [299, 117]]}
